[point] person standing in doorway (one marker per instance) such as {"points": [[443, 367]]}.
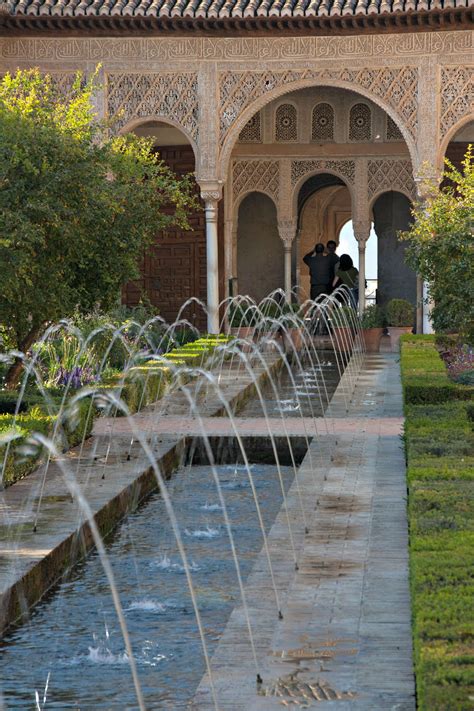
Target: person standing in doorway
{"points": [[347, 274], [331, 247], [320, 269]]}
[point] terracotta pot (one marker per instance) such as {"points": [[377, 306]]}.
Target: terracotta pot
{"points": [[247, 332], [372, 338], [395, 332], [293, 336], [343, 339]]}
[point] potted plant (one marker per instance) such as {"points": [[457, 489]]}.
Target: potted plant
{"points": [[290, 320], [242, 320], [400, 318], [342, 320], [372, 322]]}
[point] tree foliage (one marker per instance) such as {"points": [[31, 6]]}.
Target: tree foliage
{"points": [[78, 205], [441, 248]]}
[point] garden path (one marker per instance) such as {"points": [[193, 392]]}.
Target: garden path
{"points": [[345, 639]]}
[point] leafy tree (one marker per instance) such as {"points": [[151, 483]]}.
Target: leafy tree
{"points": [[78, 206], [441, 248]]}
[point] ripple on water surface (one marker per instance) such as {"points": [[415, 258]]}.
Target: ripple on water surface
{"points": [[72, 650]]}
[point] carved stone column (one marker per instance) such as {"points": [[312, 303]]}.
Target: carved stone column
{"points": [[361, 233], [287, 232], [211, 194], [361, 222], [419, 304]]}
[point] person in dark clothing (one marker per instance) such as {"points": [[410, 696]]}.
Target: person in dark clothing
{"points": [[347, 274], [331, 247], [320, 269]]}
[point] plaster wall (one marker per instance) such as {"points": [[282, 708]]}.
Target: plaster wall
{"points": [[260, 254], [395, 278]]}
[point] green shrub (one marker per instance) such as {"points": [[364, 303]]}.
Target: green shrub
{"points": [[373, 317], [20, 463], [343, 317], [466, 378], [243, 315], [440, 454], [424, 375], [400, 312]]}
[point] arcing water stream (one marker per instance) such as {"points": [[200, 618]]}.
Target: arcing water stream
{"points": [[178, 584]]}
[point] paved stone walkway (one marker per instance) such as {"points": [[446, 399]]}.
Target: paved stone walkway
{"points": [[345, 640]]}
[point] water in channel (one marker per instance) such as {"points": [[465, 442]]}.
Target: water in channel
{"points": [[73, 648], [304, 393]]}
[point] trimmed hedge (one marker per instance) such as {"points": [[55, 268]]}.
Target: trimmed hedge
{"points": [[424, 375], [140, 386], [147, 383], [24, 455], [439, 444]]}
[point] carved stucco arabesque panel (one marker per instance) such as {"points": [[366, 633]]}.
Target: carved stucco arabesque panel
{"points": [[118, 53], [372, 62], [397, 87], [302, 168], [387, 174], [167, 95], [256, 175], [457, 96]]}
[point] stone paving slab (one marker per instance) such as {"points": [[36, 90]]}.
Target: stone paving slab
{"points": [[250, 426], [345, 638]]}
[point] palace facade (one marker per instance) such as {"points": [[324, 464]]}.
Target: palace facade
{"points": [[296, 116]]}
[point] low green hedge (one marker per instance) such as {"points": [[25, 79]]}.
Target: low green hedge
{"points": [[424, 375], [439, 444], [140, 386], [147, 383], [23, 455]]}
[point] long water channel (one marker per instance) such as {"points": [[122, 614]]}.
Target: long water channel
{"points": [[71, 654]]}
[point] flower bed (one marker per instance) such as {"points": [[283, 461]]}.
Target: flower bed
{"points": [[440, 457], [425, 378], [23, 454], [138, 387]]}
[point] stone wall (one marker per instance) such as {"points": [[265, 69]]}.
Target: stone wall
{"points": [[395, 278], [259, 247]]}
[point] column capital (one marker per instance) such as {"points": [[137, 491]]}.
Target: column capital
{"points": [[211, 191], [361, 231], [287, 232]]}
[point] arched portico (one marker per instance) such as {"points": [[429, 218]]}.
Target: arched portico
{"points": [[174, 269], [159, 125], [369, 158], [209, 86], [268, 94]]}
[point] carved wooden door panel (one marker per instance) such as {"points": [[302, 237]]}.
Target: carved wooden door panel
{"points": [[170, 275]]}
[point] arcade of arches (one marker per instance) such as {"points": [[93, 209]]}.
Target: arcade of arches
{"points": [[303, 166], [290, 134]]}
